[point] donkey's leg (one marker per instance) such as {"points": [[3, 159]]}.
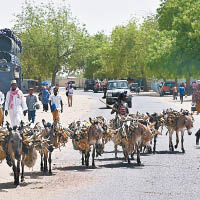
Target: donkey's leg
{"points": [[22, 165], [50, 171], [171, 148], [138, 156], [42, 163], [154, 143], [18, 170], [87, 156], [15, 173], [83, 161], [93, 155], [177, 140], [115, 150], [45, 156], [182, 140]]}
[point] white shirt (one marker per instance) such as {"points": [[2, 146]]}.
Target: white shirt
{"points": [[56, 100], [19, 104], [2, 98], [70, 91]]}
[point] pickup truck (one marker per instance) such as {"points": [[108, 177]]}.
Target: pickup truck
{"points": [[114, 89]]}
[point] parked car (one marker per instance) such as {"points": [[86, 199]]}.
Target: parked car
{"points": [[89, 85], [73, 83], [167, 88], [114, 89]]}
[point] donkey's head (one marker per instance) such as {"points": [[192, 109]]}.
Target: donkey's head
{"points": [[188, 123]]}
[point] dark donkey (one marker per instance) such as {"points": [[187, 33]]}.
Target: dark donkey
{"points": [[155, 118], [197, 137], [15, 151], [50, 135]]}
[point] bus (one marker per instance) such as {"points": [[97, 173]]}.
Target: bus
{"points": [[10, 53]]}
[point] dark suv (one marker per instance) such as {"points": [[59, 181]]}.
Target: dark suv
{"points": [[115, 88], [89, 85]]}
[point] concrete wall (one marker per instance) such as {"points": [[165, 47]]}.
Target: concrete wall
{"points": [[80, 82]]}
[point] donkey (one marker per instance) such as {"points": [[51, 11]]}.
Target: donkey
{"points": [[95, 135], [15, 151], [155, 118], [182, 122], [48, 133]]}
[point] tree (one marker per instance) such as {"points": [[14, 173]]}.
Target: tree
{"points": [[181, 19], [50, 36]]}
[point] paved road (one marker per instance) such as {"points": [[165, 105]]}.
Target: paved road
{"points": [[162, 176]]}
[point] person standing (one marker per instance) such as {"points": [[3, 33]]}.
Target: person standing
{"points": [[45, 99], [31, 101], [56, 105], [175, 92], [70, 92], [181, 92], [2, 99], [196, 97], [15, 104]]}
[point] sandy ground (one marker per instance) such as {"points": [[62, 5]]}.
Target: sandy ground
{"points": [[65, 162], [36, 185]]}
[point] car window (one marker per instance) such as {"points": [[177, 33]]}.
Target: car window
{"points": [[4, 68]]}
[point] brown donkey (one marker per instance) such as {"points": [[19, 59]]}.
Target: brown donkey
{"points": [[182, 122]]}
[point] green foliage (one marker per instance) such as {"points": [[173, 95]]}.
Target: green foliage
{"points": [[180, 28], [49, 37]]}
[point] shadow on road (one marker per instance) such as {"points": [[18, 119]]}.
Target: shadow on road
{"points": [[102, 108], [10, 185], [112, 151], [76, 168], [169, 152], [122, 165], [110, 159]]}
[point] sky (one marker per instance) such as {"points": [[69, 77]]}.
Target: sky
{"points": [[98, 15]]}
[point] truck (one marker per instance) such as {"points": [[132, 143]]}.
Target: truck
{"points": [[114, 89], [10, 53]]}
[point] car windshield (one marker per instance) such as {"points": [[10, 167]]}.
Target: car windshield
{"points": [[117, 85]]}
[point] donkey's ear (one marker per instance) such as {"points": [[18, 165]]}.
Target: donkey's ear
{"points": [[8, 126], [44, 123], [90, 120]]}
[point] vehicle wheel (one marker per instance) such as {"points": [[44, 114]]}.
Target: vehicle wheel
{"points": [[95, 90], [130, 104]]}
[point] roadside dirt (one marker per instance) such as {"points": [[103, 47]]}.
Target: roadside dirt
{"points": [[37, 185]]}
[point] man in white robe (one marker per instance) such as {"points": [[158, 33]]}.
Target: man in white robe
{"points": [[1, 107], [15, 104]]}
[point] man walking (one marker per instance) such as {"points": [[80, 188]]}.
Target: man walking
{"points": [[70, 91], [15, 104], [56, 104], [45, 99], [2, 98], [31, 101], [181, 92], [175, 92]]}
